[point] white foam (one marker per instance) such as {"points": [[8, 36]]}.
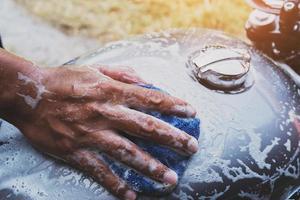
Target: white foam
{"points": [[152, 166], [293, 116], [288, 145], [255, 150], [40, 90]]}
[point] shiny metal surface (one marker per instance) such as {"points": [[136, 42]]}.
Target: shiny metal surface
{"points": [[263, 21], [223, 68], [269, 6], [249, 143]]}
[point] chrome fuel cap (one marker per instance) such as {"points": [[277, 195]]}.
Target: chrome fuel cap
{"points": [[222, 68]]}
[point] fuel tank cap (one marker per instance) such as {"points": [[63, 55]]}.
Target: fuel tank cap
{"points": [[222, 68]]}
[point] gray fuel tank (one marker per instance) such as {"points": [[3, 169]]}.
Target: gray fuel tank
{"points": [[250, 121]]}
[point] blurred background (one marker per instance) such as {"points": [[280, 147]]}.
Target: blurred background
{"points": [[53, 31]]}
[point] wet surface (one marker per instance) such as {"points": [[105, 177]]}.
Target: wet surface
{"points": [[222, 68], [249, 143]]}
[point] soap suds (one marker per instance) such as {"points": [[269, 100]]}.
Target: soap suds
{"points": [[288, 145], [40, 90]]}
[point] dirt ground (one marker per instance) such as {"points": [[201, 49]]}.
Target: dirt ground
{"points": [[35, 40]]}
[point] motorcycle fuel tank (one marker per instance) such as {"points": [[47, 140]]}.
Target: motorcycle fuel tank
{"points": [[250, 121]]}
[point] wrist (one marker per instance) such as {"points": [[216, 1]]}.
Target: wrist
{"points": [[17, 78]]}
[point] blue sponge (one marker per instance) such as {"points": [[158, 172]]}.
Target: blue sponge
{"points": [[170, 158]]}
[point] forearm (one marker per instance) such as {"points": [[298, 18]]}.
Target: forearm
{"points": [[13, 69]]}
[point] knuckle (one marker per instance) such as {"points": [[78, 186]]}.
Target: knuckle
{"points": [[91, 106], [149, 124], [151, 96], [156, 98]]}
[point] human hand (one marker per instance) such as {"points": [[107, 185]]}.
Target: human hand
{"points": [[70, 111]]}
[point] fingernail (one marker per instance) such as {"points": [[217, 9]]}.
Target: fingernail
{"points": [[170, 177], [193, 145], [130, 195], [186, 110], [190, 111]]}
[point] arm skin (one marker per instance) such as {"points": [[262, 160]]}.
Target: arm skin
{"points": [[69, 111], [10, 65]]}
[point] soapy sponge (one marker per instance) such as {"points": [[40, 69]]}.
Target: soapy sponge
{"points": [[170, 158]]}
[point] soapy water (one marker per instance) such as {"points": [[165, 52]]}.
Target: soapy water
{"points": [[40, 90], [32, 174], [235, 144]]}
